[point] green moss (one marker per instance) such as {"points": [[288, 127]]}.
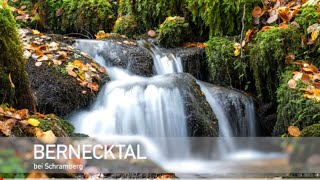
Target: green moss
{"points": [[173, 31], [126, 25], [59, 127], [11, 164], [71, 16], [224, 67], [150, 13], [293, 108], [14, 84], [267, 58], [311, 131], [222, 17], [307, 16]]}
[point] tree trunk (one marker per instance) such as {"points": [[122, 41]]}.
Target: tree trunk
{"points": [[14, 84]]}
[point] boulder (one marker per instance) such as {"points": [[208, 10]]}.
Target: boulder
{"points": [[57, 89], [200, 117], [121, 53]]}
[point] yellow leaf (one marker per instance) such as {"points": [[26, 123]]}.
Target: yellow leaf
{"points": [[314, 35], [4, 5], [33, 122], [294, 131], [237, 52], [35, 32]]}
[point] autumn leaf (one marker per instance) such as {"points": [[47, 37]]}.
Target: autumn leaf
{"points": [[47, 137], [314, 35], [257, 11], [72, 73], [35, 32], [294, 131], [33, 122], [292, 84], [284, 14]]}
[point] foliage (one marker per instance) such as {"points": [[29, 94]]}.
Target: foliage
{"points": [[173, 31], [311, 131], [308, 16], [267, 58], [14, 86], [69, 16], [293, 108], [221, 17], [224, 67], [149, 13], [126, 25]]}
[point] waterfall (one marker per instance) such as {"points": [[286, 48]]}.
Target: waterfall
{"points": [[132, 105], [136, 106]]}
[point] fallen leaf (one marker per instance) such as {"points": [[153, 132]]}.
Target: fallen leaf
{"points": [[102, 70], [47, 137], [292, 84], [33, 122], [93, 86], [257, 11], [283, 25], [272, 19], [294, 131], [237, 52], [152, 33], [284, 13], [314, 35], [37, 175], [72, 73], [35, 32], [38, 64]]}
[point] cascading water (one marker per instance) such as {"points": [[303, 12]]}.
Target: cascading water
{"points": [[130, 105]]}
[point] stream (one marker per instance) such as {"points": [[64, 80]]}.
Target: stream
{"points": [[148, 108]]}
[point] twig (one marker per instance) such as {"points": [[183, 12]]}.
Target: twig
{"points": [[242, 31]]}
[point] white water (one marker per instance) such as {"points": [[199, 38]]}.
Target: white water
{"points": [[134, 106]]}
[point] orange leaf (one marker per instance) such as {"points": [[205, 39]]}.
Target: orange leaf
{"points": [[93, 86], [283, 25], [284, 13], [248, 33], [257, 11], [294, 131], [4, 5], [305, 78], [265, 28], [78, 64]]}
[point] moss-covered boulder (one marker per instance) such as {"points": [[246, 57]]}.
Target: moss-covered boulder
{"points": [[311, 131], [293, 108], [151, 13], [307, 17], [222, 17], [127, 25], [224, 68], [63, 79], [267, 58], [173, 31], [68, 16], [14, 84]]}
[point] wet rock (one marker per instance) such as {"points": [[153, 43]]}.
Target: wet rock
{"points": [[193, 60], [200, 117], [119, 53]]}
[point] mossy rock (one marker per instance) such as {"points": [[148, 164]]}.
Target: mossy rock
{"points": [[307, 16], [55, 90], [222, 17], [173, 31], [224, 67], [127, 25], [293, 108], [267, 58], [69, 16], [149, 13], [14, 87], [59, 127], [311, 131]]}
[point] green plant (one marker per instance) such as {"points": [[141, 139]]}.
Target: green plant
{"points": [[293, 109], [222, 17], [224, 67], [126, 25], [267, 58], [11, 166], [311, 131], [308, 16], [173, 31]]}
